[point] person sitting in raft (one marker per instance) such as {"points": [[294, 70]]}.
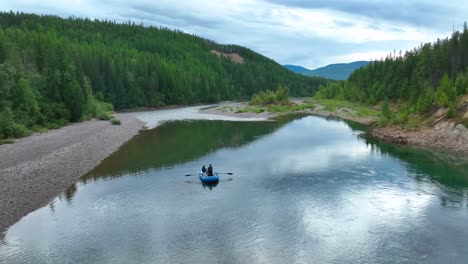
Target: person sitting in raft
{"points": [[210, 171], [203, 169]]}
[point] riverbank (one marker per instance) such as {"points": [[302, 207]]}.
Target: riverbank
{"points": [[444, 135], [37, 168], [242, 109]]}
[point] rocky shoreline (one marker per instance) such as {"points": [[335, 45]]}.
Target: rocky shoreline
{"points": [[446, 136], [36, 169]]}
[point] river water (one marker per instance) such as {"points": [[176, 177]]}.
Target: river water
{"points": [[304, 189]]}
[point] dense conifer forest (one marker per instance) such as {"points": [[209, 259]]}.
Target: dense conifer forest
{"points": [[429, 77], [55, 70]]}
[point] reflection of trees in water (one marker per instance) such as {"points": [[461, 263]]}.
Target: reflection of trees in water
{"points": [[356, 127], [177, 142], [453, 202], [448, 171], [425, 165], [181, 141], [70, 192], [332, 118]]}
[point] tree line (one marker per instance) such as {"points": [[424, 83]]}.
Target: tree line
{"points": [[430, 76], [55, 70]]}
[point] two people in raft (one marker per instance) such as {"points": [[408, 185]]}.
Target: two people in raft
{"points": [[208, 172]]}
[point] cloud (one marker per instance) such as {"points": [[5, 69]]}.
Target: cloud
{"points": [[307, 33], [152, 13], [413, 12]]}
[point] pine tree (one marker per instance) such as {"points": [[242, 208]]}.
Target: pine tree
{"points": [[74, 99]]}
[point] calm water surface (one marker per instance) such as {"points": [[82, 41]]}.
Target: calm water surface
{"points": [[304, 190]]}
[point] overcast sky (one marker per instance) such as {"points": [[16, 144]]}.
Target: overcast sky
{"points": [[310, 33]]}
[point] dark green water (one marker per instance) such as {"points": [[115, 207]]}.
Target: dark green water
{"points": [[304, 190]]}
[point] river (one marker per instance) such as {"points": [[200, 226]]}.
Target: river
{"points": [[303, 189]]}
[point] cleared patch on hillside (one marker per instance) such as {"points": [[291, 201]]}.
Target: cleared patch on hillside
{"points": [[234, 57]]}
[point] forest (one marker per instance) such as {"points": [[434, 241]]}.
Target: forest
{"points": [[419, 81], [55, 70]]}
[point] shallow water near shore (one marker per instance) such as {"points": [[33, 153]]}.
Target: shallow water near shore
{"points": [[304, 189]]}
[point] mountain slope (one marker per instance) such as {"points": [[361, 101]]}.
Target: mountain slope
{"points": [[339, 71], [430, 81], [297, 69], [52, 70]]}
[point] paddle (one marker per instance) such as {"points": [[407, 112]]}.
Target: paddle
{"points": [[228, 173]]}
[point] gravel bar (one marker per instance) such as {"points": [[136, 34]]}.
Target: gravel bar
{"points": [[36, 169]]}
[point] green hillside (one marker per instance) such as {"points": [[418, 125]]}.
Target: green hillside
{"points": [[55, 70], [419, 81]]}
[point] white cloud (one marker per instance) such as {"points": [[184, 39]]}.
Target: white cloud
{"points": [[300, 33]]}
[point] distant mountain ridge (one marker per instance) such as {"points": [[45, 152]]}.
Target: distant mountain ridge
{"points": [[338, 71]]}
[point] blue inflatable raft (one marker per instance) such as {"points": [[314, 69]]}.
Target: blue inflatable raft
{"points": [[208, 179]]}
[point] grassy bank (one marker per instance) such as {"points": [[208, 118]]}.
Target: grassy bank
{"points": [[276, 108], [352, 111], [355, 110], [6, 141]]}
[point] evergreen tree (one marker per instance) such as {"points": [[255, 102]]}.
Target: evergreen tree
{"points": [[432, 75], [52, 69], [74, 99]]}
